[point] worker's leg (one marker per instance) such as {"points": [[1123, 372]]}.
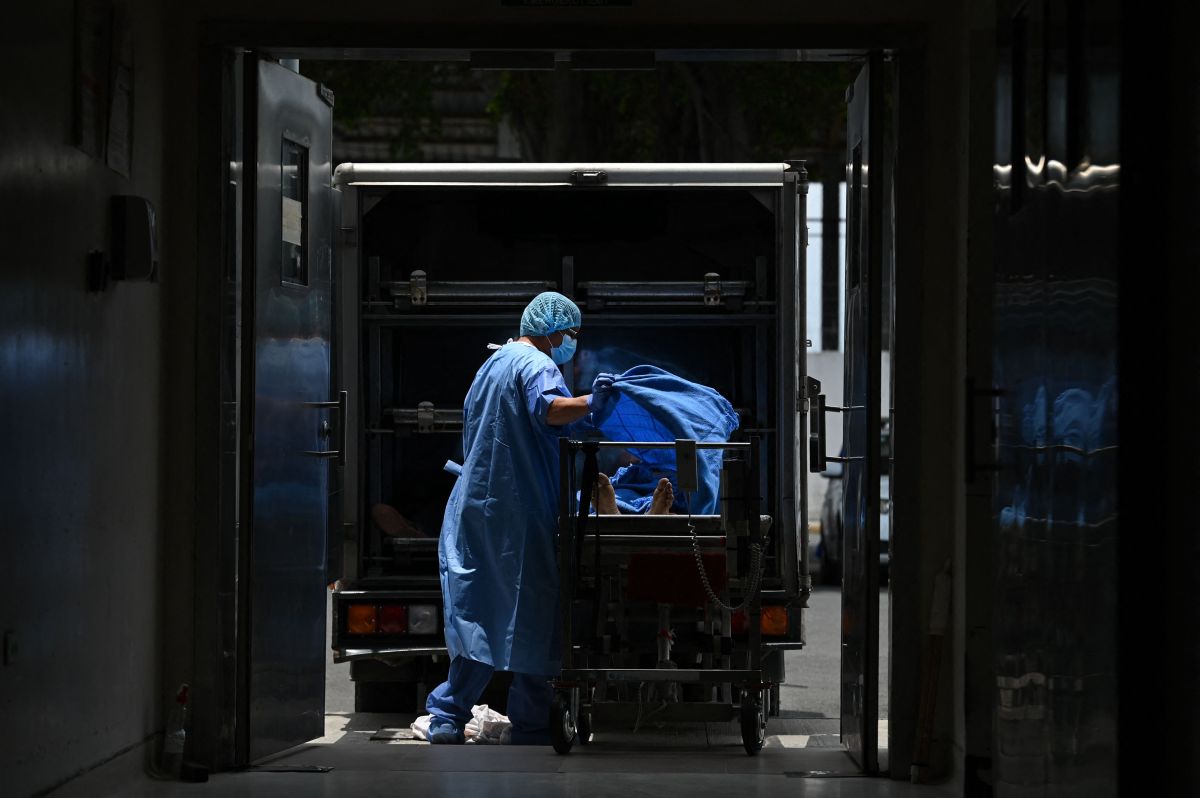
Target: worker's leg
{"points": [[451, 702], [529, 709]]}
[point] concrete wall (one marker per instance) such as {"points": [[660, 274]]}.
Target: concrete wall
{"points": [[973, 563], [931, 235], [80, 417]]}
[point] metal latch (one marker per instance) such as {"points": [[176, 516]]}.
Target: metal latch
{"points": [[807, 396], [712, 289], [589, 177], [418, 289], [426, 417]]}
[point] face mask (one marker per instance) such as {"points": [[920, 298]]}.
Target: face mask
{"points": [[563, 352]]}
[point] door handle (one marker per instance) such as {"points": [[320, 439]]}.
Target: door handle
{"points": [[342, 406], [818, 460], [973, 395], [816, 432]]}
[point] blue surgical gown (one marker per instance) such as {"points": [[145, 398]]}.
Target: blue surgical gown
{"points": [[499, 568]]}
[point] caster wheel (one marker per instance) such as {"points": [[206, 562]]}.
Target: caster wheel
{"points": [[583, 729], [754, 726], [562, 726]]}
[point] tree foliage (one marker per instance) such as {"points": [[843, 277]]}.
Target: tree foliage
{"points": [[680, 111], [399, 91]]}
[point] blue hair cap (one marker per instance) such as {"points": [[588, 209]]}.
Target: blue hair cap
{"points": [[550, 312]]}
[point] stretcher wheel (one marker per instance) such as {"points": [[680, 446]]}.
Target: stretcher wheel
{"points": [[754, 726], [583, 729], [562, 726]]}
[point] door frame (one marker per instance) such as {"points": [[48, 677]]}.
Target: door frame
{"points": [[221, 61], [865, 117]]}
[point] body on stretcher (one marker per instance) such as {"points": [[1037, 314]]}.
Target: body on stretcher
{"points": [[650, 603]]}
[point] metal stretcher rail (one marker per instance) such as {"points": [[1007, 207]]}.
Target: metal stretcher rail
{"points": [[630, 524], [636, 563], [642, 445]]}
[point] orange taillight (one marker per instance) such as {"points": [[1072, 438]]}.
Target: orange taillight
{"points": [[774, 620], [360, 619]]}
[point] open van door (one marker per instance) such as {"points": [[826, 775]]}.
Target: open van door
{"points": [[292, 444], [860, 418]]}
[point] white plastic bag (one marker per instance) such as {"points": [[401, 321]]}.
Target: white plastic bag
{"points": [[486, 726]]}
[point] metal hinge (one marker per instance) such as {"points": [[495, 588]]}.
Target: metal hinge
{"points": [[426, 417], [589, 177], [418, 293], [797, 172], [712, 289]]}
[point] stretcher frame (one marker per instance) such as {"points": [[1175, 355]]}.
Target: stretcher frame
{"points": [[581, 690]]}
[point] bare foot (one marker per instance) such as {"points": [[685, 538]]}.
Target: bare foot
{"points": [[388, 518], [664, 497], [605, 496]]}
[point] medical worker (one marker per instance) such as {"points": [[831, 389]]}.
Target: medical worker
{"points": [[496, 553]]}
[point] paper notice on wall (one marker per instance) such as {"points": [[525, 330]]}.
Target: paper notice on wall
{"points": [[119, 142], [93, 23], [293, 221]]}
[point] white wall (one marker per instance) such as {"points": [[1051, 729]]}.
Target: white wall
{"points": [[80, 382]]}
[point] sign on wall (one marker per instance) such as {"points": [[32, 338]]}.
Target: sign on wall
{"points": [[103, 123]]}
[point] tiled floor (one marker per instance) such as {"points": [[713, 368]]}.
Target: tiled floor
{"points": [[801, 758]]}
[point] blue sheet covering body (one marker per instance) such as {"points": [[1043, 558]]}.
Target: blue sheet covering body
{"points": [[656, 405]]}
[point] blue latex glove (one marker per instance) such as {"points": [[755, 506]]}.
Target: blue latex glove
{"points": [[603, 398]]}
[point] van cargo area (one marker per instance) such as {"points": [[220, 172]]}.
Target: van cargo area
{"points": [[692, 268]]}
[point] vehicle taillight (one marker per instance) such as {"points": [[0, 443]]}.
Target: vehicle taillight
{"points": [[361, 619], [422, 619], [393, 619], [774, 620]]}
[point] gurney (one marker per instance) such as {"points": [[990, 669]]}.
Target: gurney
{"points": [[661, 613]]}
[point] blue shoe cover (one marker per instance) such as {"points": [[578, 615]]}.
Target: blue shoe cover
{"points": [[444, 732]]}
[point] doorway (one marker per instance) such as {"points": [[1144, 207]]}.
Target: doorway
{"points": [[861, 739]]}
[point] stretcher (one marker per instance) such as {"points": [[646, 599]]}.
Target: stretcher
{"points": [[660, 618]]}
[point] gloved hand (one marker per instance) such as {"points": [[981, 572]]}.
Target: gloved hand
{"points": [[603, 383], [603, 398]]}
